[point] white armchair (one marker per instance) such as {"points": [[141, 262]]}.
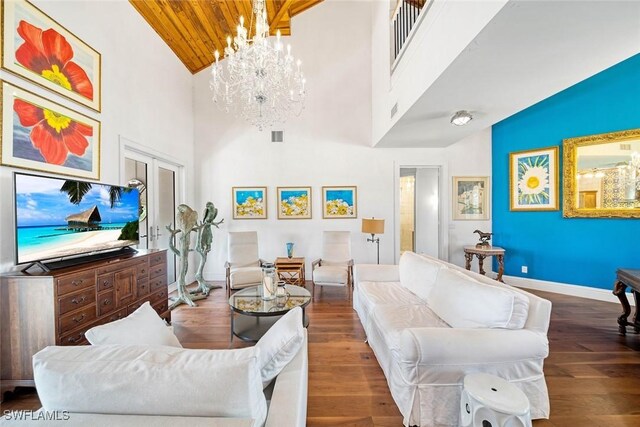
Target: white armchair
{"points": [[335, 268], [244, 267]]}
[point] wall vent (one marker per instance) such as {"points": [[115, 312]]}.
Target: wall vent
{"points": [[394, 109], [277, 136], [625, 147]]}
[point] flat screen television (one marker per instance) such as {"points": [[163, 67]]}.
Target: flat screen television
{"points": [[62, 217]]}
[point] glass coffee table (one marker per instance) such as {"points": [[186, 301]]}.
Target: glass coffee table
{"points": [[251, 316]]}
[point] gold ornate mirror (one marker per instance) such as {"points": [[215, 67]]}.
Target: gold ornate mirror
{"points": [[602, 175]]}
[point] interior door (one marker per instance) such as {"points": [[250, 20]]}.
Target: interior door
{"points": [[161, 195]]}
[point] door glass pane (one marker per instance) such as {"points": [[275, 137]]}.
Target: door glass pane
{"points": [[136, 171], [407, 210], [166, 215]]}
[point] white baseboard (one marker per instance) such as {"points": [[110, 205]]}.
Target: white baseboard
{"points": [[565, 289]]}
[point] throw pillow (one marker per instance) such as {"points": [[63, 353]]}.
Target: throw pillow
{"points": [[463, 302], [143, 327], [280, 345]]}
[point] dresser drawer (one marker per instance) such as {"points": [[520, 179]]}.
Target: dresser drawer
{"points": [[121, 314], [105, 281], [106, 303], [76, 337], [158, 296], [142, 287], [75, 301], [158, 271], [157, 283], [158, 258], [75, 282], [161, 308], [136, 305], [142, 270], [76, 319], [117, 266]]}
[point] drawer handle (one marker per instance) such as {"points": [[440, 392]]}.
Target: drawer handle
{"points": [[162, 294], [78, 301], [143, 270], [74, 340], [105, 282], [79, 319], [106, 302], [77, 282]]}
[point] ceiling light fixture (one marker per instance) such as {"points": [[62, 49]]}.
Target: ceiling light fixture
{"points": [[461, 118], [262, 81]]}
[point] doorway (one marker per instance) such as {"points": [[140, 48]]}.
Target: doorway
{"points": [[419, 212], [159, 182]]}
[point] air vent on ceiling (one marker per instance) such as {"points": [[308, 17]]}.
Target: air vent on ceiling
{"points": [[394, 109], [625, 147], [277, 136]]}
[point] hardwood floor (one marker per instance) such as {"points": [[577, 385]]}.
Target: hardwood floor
{"points": [[593, 374]]}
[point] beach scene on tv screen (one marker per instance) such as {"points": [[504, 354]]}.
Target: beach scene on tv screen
{"points": [[61, 217]]}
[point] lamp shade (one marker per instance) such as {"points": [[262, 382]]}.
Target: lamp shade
{"points": [[372, 226]]}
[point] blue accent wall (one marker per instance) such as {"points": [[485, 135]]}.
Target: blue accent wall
{"points": [[567, 250]]}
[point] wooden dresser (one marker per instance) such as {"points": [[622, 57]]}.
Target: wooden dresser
{"points": [[58, 307]]}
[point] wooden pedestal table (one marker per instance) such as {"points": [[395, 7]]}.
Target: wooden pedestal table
{"points": [[481, 253], [630, 278], [291, 270]]}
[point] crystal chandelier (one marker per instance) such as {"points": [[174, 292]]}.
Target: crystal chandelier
{"points": [[261, 82]]}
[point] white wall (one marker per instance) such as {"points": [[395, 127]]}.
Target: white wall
{"points": [[329, 144], [146, 94], [448, 27]]}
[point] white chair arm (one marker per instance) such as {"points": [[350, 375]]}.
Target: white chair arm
{"points": [[470, 346], [376, 273]]}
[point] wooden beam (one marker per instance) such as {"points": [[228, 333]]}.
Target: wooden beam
{"points": [[276, 19]]}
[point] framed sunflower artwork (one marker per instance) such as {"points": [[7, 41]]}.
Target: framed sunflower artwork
{"points": [[41, 135], [339, 202], [37, 48], [294, 202], [249, 202], [533, 180]]}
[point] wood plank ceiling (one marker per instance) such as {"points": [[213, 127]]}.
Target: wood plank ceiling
{"points": [[194, 29]]}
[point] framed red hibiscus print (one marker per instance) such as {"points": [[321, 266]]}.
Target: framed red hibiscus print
{"points": [[36, 47], [41, 135]]}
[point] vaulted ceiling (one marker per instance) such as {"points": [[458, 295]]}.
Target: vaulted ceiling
{"points": [[194, 29]]}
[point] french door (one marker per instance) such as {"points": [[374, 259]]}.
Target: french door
{"points": [[159, 182]]}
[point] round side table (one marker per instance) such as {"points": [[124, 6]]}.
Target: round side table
{"points": [[490, 401]]}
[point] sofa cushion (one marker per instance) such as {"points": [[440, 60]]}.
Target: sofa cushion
{"points": [[463, 302], [143, 326], [418, 273], [330, 274], [280, 344], [391, 321], [143, 380], [391, 293], [245, 276]]}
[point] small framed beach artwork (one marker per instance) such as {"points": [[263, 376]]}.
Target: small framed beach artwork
{"points": [[339, 202], [41, 135], [249, 202], [470, 197], [533, 180], [37, 48], [294, 202]]}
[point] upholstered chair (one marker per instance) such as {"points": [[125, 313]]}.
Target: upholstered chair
{"points": [[244, 267], [335, 268]]}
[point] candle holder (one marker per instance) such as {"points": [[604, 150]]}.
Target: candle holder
{"points": [[269, 281]]}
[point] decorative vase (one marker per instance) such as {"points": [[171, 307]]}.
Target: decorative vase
{"points": [[269, 281], [289, 250]]}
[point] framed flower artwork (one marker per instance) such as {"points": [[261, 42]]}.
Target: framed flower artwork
{"points": [[36, 47], [533, 180], [294, 202], [470, 197], [340, 202], [41, 135], [249, 202]]}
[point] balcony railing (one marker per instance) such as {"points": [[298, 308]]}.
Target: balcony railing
{"points": [[404, 20]]}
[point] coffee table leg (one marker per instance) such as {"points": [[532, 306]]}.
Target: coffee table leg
{"points": [[619, 291]]}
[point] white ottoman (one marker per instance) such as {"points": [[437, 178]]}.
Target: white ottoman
{"points": [[490, 401]]}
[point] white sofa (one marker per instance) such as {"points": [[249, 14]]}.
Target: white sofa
{"points": [[134, 385], [490, 327]]}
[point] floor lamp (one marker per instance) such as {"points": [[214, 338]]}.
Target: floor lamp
{"points": [[373, 226]]}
